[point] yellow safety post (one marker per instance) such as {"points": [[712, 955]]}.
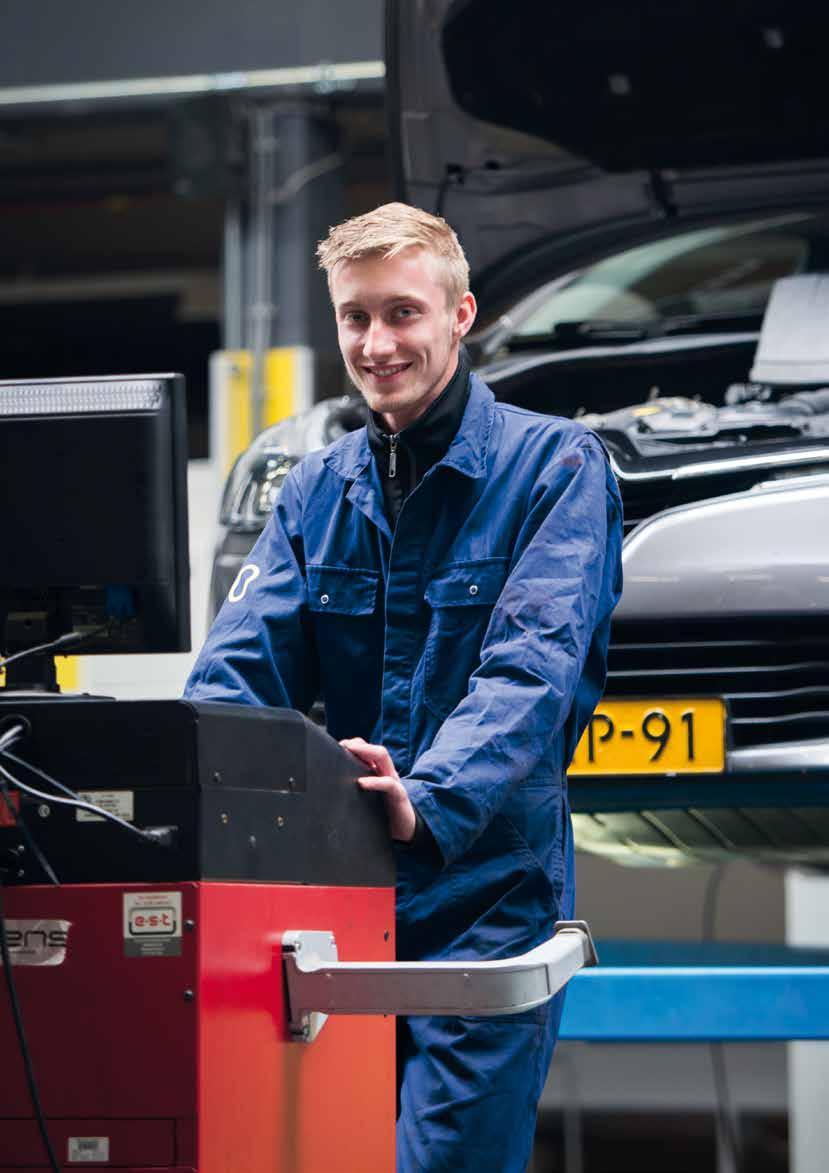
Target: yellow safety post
{"points": [[288, 377]]}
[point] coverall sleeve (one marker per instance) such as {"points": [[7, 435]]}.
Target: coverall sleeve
{"points": [[564, 581], [261, 649]]}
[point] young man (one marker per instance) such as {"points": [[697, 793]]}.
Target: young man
{"points": [[445, 577]]}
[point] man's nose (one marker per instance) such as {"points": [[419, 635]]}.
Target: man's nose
{"points": [[378, 341]]}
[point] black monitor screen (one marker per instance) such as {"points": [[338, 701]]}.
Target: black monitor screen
{"points": [[94, 513]]}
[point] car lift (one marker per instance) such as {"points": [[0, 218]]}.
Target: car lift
{"points": [[681, 992]]}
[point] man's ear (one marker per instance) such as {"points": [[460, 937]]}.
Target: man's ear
{"points": [[464, 315]]}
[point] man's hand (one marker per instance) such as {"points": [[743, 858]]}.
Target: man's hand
{"points": [[386, 780]]}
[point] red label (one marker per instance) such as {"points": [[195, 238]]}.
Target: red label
{"points": [[150, 921], [6, 817]]}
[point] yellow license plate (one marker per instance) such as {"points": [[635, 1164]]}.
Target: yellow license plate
{"points": [[653, 737]]}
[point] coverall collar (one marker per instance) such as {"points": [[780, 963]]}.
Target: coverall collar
{"points": [[351, 457], [404, 458]]}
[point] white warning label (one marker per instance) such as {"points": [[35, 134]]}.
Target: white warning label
{"points": [[117, 802], [152, 924], [37, 942], [88, 1148]]}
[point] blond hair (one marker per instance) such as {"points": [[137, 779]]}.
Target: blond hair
{"points": [[388, 230]]}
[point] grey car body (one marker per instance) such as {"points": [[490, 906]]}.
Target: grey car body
{"points": [[658, 271]]}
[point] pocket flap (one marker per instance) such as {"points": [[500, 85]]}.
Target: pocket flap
{"points": [[341, 590], [468, 584]]}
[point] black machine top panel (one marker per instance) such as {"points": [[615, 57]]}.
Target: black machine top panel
{"points": [[254, 794]]}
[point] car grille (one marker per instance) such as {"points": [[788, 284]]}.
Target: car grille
{"points": [[644, 499], [774, 677]]}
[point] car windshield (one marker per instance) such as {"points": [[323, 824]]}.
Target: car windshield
{"points": [[725, 270]]}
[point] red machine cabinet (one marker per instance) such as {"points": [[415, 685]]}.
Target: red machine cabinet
{"points": [[179, 1058]]}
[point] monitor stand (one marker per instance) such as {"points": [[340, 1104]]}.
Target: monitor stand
{"points": [[32, 674]]}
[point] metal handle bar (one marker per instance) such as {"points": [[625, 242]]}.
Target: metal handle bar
{"points": [[318, 984]]}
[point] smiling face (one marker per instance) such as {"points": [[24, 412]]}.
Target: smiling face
{"points": [[398, 335]]}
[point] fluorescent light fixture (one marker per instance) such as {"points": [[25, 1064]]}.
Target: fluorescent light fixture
{"points": [[323, 78], [81, 398]]}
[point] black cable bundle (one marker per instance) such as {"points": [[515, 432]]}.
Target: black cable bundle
{"points": [[160, 836], [69, 640]]}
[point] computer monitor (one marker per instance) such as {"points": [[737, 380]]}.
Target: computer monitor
{"points": [[93, 486]]}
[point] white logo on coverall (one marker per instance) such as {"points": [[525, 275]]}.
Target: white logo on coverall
{"points": [[243, 580]]}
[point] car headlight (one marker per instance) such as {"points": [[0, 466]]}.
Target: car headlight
{"points": [[253, 487]]}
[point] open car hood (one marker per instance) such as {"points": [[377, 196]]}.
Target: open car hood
{"points": [[543, 130]]}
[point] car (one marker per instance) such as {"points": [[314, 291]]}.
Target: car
{"points": [[653, 259]]}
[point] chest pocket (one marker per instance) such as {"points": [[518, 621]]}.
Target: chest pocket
{"points": [[460, 597], [348, 629], [339, 590]]}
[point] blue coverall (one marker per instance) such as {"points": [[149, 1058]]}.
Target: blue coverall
{"points": [[472, 644]]}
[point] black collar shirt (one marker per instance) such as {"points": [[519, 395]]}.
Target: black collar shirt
{"points": [[404, 458]]}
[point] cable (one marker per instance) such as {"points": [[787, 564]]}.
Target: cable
{"points": [[51, 781], [156, 836], [21, 1038], [727, 1127], [27, 835], [63, 641], [709, 903], [12, 734]]}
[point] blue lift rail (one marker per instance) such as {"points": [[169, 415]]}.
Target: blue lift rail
{"points": [[656, 992]]}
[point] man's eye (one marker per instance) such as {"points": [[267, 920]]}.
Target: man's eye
{"points": [[405, 311], [354, 317]]}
